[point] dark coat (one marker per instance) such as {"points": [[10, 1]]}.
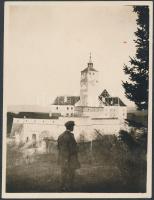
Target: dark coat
{"points": [[68, 153]]}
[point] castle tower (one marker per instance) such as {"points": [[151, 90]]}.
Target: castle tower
{"points": [[89, 86]]}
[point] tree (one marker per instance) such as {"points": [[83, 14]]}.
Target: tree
{"points": [[136, 89]]}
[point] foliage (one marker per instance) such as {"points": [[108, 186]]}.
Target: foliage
{"points": [[127, 138], [108, 164], [137, 119], [136, 89]]}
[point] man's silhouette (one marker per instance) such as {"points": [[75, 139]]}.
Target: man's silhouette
{"points": [[68, 158]]}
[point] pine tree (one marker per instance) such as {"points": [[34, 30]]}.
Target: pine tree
{"points": [[136, 89]]}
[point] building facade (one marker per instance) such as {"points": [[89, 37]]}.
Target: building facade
{"points": [[90, 103], [91, 111], [64, 106], [26, 130]]}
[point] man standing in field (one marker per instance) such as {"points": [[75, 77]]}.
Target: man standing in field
{"points": [[68, 157]]}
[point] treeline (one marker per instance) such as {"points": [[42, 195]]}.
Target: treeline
{"points": [[139, 119]]}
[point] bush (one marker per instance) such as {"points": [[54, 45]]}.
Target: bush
{"points": [[123, 152]]}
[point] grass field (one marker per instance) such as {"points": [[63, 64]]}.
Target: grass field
{"points": [[110, 167]]}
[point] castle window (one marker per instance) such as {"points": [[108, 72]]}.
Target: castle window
{"points": [[89, 73], [67, 114], [71, 108], [34, 136], [68, 100], [27, 139], [67, 108], [93, 73], [57, 108]]}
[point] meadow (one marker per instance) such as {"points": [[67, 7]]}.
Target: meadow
{"points": [[108, 164]]}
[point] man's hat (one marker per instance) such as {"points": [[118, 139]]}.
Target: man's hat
{"points": [[69, 123]]}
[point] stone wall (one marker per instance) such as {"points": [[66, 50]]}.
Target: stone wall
{"points": [[53, 128]]}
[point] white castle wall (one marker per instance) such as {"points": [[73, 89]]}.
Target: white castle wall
{"points": [[53, 128], [93, 89], [109, 112], [89, 91]]}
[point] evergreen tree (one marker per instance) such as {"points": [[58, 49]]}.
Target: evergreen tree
{"points": [[138, 71]]}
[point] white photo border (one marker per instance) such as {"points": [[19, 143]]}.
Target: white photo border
{"points": [[148, 193]]}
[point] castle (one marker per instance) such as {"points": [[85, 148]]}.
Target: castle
{"points": [[91, 111], [90, 103]]}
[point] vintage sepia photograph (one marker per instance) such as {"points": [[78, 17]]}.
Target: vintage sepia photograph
{"points": [[77, 101]]}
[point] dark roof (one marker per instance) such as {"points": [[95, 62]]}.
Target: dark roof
{"points": [[105, 94], [66, 100], [89, 68], [111, 101]]}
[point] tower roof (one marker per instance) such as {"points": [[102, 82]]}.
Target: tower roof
{"points": [[89, 69], [110, 101], [90, 66], [105, 94]]}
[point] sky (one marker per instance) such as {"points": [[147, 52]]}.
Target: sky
{"points": [[46, 47]]}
